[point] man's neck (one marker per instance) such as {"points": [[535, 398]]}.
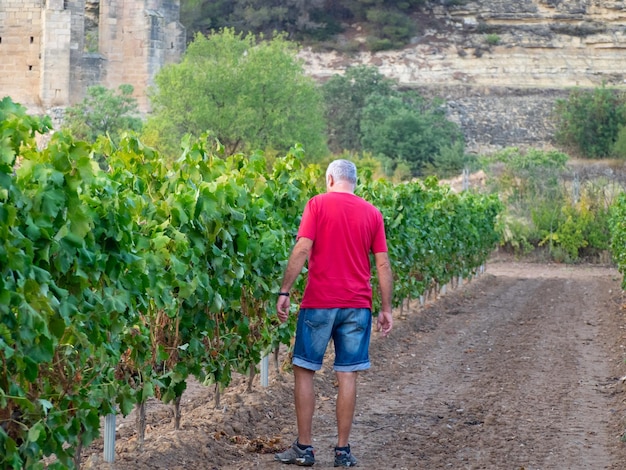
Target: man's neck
{"points": [[341, 187]]}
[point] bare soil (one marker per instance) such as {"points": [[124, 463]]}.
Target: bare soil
{"points": [[518, 369]]}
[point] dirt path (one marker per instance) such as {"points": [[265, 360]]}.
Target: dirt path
{"points": [[516, 370]]}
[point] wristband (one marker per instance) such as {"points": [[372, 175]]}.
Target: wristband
{"points": [[286, 294]]}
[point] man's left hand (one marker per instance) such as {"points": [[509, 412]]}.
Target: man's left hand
{"points": [[384, 323]]}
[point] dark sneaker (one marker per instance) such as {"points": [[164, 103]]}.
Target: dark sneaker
{"points": [[304, 458], [344, 459]]}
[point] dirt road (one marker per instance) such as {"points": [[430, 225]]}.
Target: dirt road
{"points": [[518, 369]]}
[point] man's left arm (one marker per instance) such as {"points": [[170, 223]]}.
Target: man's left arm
{"points": [[385, 280]]}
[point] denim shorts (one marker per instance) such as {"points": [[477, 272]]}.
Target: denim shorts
{"points": [[350, 330]]}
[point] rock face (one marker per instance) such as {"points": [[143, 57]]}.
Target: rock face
{"points": [[502, 64]]}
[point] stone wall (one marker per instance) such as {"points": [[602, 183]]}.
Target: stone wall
{"points": [[46, 55], [493, 118], [20, 39]]}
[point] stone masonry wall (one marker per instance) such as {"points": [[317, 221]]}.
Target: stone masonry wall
{"points": [[45, 62], [20, 46], [493, 118]]}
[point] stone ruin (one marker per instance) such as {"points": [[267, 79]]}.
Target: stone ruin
{"points": [[51, 51]]}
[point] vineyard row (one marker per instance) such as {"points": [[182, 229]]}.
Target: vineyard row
{"points": [[122, 276]]}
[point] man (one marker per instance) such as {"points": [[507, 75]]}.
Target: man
{"points": [[337, 233]]}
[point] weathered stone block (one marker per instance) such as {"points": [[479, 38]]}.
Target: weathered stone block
{"points": [[53, 68]]}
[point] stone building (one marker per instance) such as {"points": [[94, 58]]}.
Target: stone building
{"points": [[51, 51]]}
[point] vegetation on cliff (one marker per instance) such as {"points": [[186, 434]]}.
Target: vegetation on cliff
{"points": [[387, 22]]}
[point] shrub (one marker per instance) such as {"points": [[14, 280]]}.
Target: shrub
{"points": [[376, 44], [516, 234], [247, 93], [543, 209], [492, 39], [103, 112], [589, 122], [391, 28], [407, 127], [619, 148]]}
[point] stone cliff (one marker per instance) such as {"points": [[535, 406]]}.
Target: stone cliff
{"points": [[502, 64]]}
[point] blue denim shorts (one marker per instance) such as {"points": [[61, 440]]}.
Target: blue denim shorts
{"points": [[350, 330]]}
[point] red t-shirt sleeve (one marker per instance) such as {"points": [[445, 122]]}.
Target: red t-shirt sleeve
{"points": [[379, 244], [307, 227]]}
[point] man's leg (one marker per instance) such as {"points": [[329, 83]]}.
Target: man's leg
{"points": [[346, 402], [304, 396]]}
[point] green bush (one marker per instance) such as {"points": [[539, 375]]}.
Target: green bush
{"points": [[492, 39], [579, 229], [619, 148], [376, 44], [402, 172], [406, 127], [526, 176], [546, 217], [569, 237], [345, 97], [617, 227], [391, 28], [543, 210], [516, 234], [589, 122], [449, 162], [247, 93], [329, 26], [103, 112]]}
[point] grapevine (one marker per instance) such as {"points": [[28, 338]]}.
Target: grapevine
{"points": [[121, 276]]}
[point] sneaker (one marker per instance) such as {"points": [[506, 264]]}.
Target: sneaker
{"points": [[304, 458], [344, 459]]}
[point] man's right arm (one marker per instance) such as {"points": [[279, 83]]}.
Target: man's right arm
{"points": [[299, 255]]}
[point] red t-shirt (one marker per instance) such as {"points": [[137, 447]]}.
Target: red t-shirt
{"points": [[345, 229]]}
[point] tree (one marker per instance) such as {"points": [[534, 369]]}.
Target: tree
{"points": [[103, 112], [405, 127], [345, 97], [365, 112], [248, 94], [589, 122]]}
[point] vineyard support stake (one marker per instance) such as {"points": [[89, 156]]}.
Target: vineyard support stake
{"points": [[109, 438], [265, 366]]}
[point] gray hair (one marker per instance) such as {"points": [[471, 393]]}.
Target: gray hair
{"points": [[342, 170]]}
